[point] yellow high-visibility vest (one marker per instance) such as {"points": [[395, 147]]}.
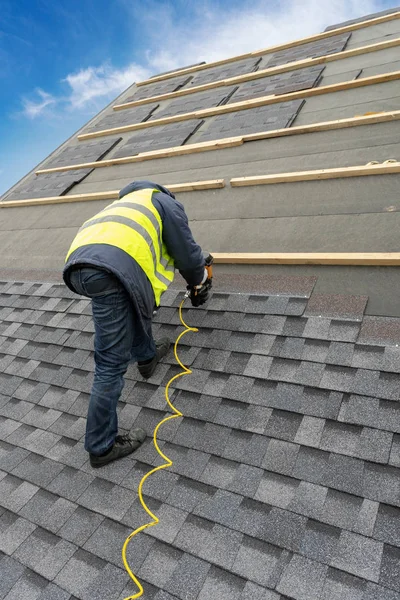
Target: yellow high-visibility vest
{"points": [[133, 225]]}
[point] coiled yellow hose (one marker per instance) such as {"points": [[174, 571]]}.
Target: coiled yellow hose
{"points": [[166, 465]]}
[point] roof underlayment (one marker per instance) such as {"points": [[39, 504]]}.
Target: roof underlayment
{"points": [[285, 479]]}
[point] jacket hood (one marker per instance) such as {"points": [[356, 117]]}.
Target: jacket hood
{"points": [[143, 185]]}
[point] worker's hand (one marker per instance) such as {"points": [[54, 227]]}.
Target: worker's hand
{"points": [[199, 294]]}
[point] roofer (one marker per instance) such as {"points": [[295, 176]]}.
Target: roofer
{"points": [[124, 258]]}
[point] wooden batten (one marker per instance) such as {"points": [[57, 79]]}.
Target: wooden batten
{"points": [[318, 175], [309, 258], [152, 155], [192, 186]]}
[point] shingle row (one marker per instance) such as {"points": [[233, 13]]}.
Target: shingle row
{"points": [[215, 474], [235, 551]]}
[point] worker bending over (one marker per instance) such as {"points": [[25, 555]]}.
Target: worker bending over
{"points": [[124, 258]]}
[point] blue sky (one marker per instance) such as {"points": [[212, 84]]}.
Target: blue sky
{"points": [[63, 61]]}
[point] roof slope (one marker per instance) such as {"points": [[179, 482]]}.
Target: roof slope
{"points": [[285, 482]]}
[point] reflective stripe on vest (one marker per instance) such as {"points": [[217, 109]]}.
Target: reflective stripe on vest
{"points": [[134, 225], [166, 263]]}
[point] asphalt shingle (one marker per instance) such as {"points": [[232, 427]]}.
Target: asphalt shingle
{"points": [[243, 446], [30, 585], [387, 525], [38, 470], [221, 508], [187, 494], [171, 520], [11, 456], [80, 526], [45, 553], [284, 529], [221, 546], [309, 500], [341, 585], [15, 492], [303, 579], [80, 571], [222, 585], [188, 578], [358, 555], [257, 561], [381, 484], [389, 575], [14, 531], [320, 541], [106, 498], [160, 564], [281, 457], [48, 510], [194, 535], [11, 572], [70, 483], [276, 490], [340, 353], [107, 541]]}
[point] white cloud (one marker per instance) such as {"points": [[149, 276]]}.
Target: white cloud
{"points": [[219, 32], [35, 108], [94, 83], [88, 88]]}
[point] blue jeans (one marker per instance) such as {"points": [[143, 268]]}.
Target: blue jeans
{"points": [[120, 338]]}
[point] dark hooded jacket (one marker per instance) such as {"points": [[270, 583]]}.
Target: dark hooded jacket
{"points": [[187, 255]]}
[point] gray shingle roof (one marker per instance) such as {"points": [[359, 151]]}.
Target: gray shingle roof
{"points": [[285, 481]]}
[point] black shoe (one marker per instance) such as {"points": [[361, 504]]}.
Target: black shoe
{"points": [[147, 368], [123, 445]]}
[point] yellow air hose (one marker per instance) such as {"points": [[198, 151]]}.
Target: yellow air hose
{"points": [[168, 462]]}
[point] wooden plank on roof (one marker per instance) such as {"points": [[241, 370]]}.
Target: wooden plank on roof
{"points": [[183, 92], [373, 119], [245, 104], [319, 174], [152, 155], [112, 195], [300, 42], [292, 66], [191, 186], [309, 258], [212, 184]]}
